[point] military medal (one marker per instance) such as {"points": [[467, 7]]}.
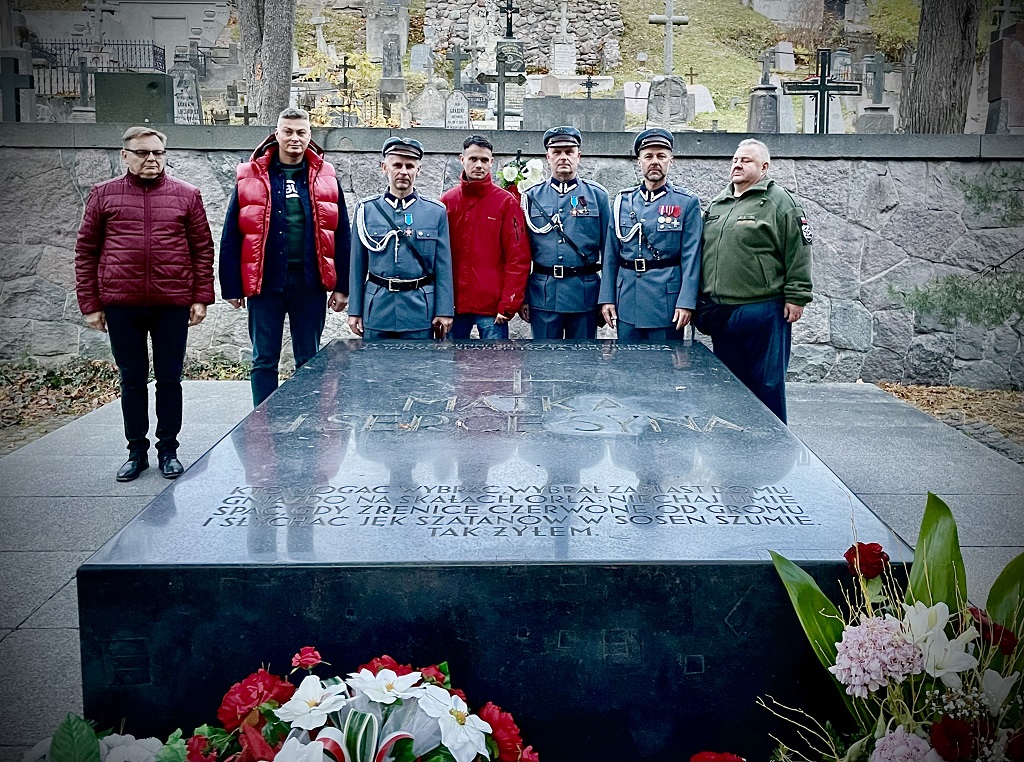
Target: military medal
{"points": [[584, 211], [408, 222], [574, 200]]}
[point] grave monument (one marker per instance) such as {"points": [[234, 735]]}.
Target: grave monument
{"points": [[580, 528]]}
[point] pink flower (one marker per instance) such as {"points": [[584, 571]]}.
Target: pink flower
{"points": [[900, 746], [307, 658], [872, 653]]}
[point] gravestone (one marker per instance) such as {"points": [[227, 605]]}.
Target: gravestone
{"points": [[392, 83], [130, 98], [476, 94], [563, 58], [188, 105], [580, 528], [550, 85], [419, 58], [385, 17], [456, 111], [784, 58], [15, 85], [703, 103], [787, 113], [636, 94], [611, 55], [763, 112], [586, 115], [668, 104], [1005, 83], [428, 108]]}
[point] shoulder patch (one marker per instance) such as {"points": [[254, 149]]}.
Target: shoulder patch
{"points": [[805, 229]]}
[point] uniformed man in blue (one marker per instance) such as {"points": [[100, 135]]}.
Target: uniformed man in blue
{"points": [[401, 276], [568, 221], [650, 281]]}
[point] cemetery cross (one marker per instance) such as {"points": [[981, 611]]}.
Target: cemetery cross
{"points": [[692, 74], [821, 87], [456, 56], [878, 68], [500, 79], [83, 70], [11, 82], [345, 68], [245, 114], [670, 22], [507, 8], [590, 84], [96, 9]]}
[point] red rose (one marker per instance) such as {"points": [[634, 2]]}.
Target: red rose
{"points": [[953, 739], [1015, 747], [504, 731], [993, 633], [195, 748], [432, 674], [714, 756], [258, 688], [254, 746], [529, 755], [307, 658], [460, 693], [869, 557], [386, 662]]}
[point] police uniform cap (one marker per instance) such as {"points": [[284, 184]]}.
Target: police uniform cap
{"points": [[403, 147], [562, 136], [654, 137]]}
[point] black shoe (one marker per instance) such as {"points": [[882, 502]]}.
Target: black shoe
{"points": [[132, 468], [170, 466]]}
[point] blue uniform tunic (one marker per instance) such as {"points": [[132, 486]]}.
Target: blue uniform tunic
{"points": [[578, 210], [653, 226], [377, 248]]}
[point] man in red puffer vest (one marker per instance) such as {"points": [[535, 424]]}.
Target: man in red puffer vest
{"points": [[490, 249], [144, 268], [285, 246]]}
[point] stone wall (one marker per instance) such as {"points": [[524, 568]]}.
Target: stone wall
{"points": [[887, 212]]}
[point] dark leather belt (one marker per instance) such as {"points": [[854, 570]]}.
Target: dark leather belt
{"points": [[560, 271], [641, 265], [399, 284]]}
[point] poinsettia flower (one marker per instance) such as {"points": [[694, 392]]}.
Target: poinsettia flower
{"points": [[296, 751], [920, 622], [995, 689], [943, 658], [462, 733], [309, 706], [127, 748], [385, 687]]}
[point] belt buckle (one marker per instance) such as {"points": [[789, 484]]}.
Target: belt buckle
{"points": [[391, 285], [558, 271], [640, 264]]}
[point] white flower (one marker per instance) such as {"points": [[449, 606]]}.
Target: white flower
{"points": [[534, 170], [943, 657], [296, 751], [38, 753], [920, 622], [126, 748], [900, 746], [309, 705], [510, 173], [995, 688], [385, 687], [461, 732], [872, 653]]}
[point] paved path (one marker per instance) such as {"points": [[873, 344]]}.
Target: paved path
{"points": [[59, 502]]}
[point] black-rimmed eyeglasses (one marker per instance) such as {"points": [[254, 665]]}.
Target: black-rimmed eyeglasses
{"points": [[146, 154]]}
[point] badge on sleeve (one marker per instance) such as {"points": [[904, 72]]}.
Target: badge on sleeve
{"points": [[805, 230]]}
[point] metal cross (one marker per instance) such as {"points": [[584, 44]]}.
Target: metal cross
{"points": [[692, 74], [590, 84], [508, 10], [767, 60], [878, 67], [345, 68], [822, 87], [670, 21], [11, 83], [500, 79], [245, 114], [83, 70], [456, 56]]}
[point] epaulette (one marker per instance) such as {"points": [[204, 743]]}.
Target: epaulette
{"points": [[433, 201]]}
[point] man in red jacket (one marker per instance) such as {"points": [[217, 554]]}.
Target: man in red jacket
{"points": [[144, 268], [490, 250]]}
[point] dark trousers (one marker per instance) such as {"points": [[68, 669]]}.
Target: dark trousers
{"points": [[306, 309], [753, 341], [625, 332], [129, 328], [563, 325], [371, 334]]}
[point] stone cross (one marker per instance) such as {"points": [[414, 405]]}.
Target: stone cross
{"points": [[11, 83], [692, 74], [321, 43], [670, 22], [766, 60], [1004, 15], [245, 114], [878, 67], [500, 79], [456, 56], [590, 84], [563, 22], [508, 10], [822, 86], [96, 9], [83, 70]]}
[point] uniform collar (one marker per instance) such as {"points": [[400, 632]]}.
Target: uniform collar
{"points": [[564, 187], [650, 196], [400, 203], [760, 186]]}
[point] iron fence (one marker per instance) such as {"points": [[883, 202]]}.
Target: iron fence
{"points": [[56, 66]]}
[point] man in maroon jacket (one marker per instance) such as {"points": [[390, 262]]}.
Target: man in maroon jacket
{"points": [[144, 268], [490, 250]]}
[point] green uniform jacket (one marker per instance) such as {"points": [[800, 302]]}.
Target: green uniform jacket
{"points": [[756, 247]]}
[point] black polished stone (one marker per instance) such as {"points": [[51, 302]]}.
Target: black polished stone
{"points": [[580, 529]]}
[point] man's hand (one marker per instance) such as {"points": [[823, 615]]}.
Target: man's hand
{"points": [[338, 301], [524, 312], [442, 325], [611, 317], [236, 303], [681, 318], [356, 324], [792, 312], [97, 321], [196, 314], [500, 319]]}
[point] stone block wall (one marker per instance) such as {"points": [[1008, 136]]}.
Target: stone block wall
{"points": [[883, 218]]}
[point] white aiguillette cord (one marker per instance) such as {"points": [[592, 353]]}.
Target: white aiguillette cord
{"points": [[635, 230], [365, 237], [555, 219]]}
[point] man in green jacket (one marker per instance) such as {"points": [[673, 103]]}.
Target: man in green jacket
{"points": [[756, 275]]}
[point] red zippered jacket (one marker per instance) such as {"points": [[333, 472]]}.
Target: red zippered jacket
{"points": [[143, 243], [490, 249]]}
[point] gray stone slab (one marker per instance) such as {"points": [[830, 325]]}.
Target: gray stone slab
{"points": [[195, 438], [982, 520], [59, 612], [64, 523], [13, 753], [4, 633], [39, 683], [896, 442], [830, 414], [868, 474], [1002, 147], [29, 579], [39, 135], [983, 566], [27, 474], [808, 392]]}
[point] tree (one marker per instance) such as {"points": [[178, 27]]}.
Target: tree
{"points": [[946, 43], [267, 29]]}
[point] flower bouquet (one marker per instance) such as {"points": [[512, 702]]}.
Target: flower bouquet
{"points": [[518, 175], [926, 676], [383, 712]]}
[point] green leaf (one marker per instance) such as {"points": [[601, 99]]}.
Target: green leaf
{"points": [[74, 741], [440, 754], [937, 573], [1004, 597], [174, 750], [360, 733], [402, 751], [219, 738]]}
